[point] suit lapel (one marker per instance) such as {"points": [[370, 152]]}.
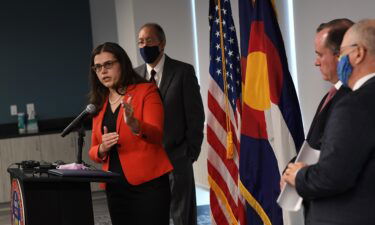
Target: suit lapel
{"points": [[342, 91], [100, 117], [318, 113], [120, 117], [143, 71], [167, 77]]}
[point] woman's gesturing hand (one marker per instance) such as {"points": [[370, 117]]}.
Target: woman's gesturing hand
{"points": [[129, 116], [108, 140]]}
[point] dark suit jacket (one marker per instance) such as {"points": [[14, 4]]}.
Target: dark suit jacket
{"points": [[341, 186], [316, 131], [183, 109]]}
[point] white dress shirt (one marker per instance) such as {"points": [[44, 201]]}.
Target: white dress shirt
{"points": [[158, 69], [362, 80]]}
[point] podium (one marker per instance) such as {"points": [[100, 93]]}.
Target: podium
{"points": [[45, 199]]}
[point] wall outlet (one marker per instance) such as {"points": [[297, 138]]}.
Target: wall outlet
{"points": [[30, 108], [13, 110]]}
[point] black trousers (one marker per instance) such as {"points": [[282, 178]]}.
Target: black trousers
{"points": [[144, 204], [183, 202]]}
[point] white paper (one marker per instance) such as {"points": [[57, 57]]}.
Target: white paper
{"points": [[289, 199]]}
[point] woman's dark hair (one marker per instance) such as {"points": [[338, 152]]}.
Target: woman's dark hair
{"points": [[99, 92]]}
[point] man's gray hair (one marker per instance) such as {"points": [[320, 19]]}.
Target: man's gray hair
{"points": [[159, 30], [364, 33]]}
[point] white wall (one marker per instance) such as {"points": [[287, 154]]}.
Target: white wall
{"points": [[203, 46], [125, 15], [176, 20], [103, 22]]}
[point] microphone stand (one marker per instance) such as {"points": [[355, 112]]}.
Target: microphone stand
{"points": [[79, 127], [81, 135]]}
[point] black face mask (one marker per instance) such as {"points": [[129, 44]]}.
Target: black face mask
{"points": [[149, 53]]}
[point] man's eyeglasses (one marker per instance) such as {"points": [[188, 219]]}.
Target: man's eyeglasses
{"points": [[345, 47], [146, 41], [107, 65]]}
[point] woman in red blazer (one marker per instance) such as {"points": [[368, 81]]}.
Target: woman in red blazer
{"points": [[127, 139]]}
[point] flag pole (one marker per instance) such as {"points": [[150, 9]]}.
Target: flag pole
{"points": [[230, 150]]}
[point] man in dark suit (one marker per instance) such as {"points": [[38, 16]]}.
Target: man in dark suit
{"points": [[341, 186], [183, 121], [327, 45]]}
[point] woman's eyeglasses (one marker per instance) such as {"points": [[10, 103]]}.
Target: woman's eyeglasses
{"points": [[107, 65]]}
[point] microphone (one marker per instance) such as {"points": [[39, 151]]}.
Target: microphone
{"points": [[90, 109]]}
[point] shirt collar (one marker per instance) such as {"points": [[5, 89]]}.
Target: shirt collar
{"points": [[338, 85], [362, 80]]}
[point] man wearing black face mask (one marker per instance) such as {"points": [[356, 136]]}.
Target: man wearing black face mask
{"points": [[183, 120]]}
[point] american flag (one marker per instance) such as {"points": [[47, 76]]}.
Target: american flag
{"points": [[224, 117]]}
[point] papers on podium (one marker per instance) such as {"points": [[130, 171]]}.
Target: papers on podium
{"points": [[289, 199]]}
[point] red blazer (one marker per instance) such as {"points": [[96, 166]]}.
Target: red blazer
{"points": [[142, 156]]}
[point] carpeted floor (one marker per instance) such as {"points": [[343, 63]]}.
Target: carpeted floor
{"points": [[203, 213]]}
